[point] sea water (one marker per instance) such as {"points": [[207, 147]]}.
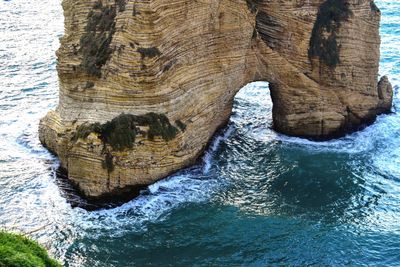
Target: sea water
{"points": [[258, 198]]}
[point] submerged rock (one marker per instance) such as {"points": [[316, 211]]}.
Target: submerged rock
{"points": [[184, 62]]}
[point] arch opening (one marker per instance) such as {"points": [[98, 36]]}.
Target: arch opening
{"points": [[252, 111]]}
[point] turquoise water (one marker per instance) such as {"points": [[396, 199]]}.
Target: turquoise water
{"points": [[258, 198]]}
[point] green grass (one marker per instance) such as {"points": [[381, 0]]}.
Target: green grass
{"points": [[19, 251], [323, 42]]}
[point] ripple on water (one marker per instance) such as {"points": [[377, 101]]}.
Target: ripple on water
{"points": [[259, 198]]}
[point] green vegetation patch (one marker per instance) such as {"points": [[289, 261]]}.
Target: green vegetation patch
{"points": [[120, 133], [84, 130], [159, 125], [19, 251], [95, 42], [323, 43]]}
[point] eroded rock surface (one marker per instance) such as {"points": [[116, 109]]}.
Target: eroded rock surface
{"points": [[144, 85]]}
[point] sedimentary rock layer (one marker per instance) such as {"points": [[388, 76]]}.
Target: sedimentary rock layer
{"points": [[181, 62]]}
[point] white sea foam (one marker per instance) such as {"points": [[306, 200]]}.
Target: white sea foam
{"points": [[30, 197], [386, 127], [151, 206], [189, 186], [208, 156]]}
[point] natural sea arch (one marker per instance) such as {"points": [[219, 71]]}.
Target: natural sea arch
{"points": [[252, 112], [144, 85]]}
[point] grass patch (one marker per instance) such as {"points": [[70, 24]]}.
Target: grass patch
{"points": [[323, 43], [19, 251]]}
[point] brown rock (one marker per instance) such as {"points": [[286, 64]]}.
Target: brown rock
{"points": [[187, 59], [385, 94]]}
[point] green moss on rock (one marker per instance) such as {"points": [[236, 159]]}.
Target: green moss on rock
{"points": [[95, 42], [323, 43], [120, 133], [19, 251], [84, 130], [159, 125]]}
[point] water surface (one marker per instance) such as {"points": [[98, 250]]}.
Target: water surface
{"points": [[259, 198]]}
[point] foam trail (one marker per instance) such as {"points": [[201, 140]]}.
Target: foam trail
{"points": [[192, 185], [384, 128], [152, 205], [358, 142], [207, 158]]}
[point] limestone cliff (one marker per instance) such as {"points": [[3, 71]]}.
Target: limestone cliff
{"points": [[144, 84]]}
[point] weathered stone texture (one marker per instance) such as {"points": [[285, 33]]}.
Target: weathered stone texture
{"points": [[187, 59]]}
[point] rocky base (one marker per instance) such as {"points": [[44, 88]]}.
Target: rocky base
{"points": [[77, 199]]}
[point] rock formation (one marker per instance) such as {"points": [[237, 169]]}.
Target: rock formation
{"points": [[145, 84]]}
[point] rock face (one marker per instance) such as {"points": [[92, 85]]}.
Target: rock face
{"points": [[144, 85]]}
